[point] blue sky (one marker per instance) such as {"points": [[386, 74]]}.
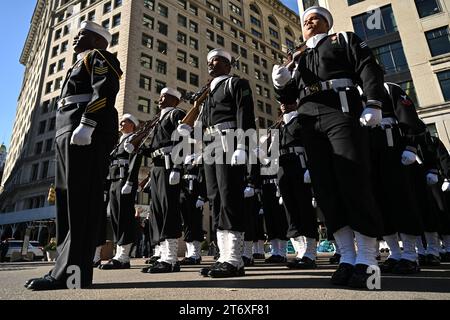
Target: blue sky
{"points": [[15, 19]]}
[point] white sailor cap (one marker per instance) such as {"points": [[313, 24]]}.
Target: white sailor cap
{"points": [[319, 10], [98, 29], [130, 117], [219, 52], [172, 92]]}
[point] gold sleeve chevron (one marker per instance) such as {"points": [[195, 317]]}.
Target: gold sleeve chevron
{"points": [[97, 105], [100, 71]]}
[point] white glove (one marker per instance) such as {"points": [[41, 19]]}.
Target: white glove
{"points": [[370, 117], [280, 76], [408, 157], [200, 203], [238, 157], [126, 189], [249, 192], [82, 135], [280, 201], [184, 129], [432, 178], [314, 202], [306, 177], [261, 211], [445, 186], [174, 178], [128, 147]]}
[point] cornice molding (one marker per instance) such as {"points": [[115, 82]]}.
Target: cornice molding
{"points": [[34, 25]]}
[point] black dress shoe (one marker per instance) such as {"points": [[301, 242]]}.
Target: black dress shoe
{"points": [[422, 260], [248, 261], [189, 261], [226, 270], [204, 271], [259, 256], [27, 283], [152, 260], [114, 264], [388, 265], [304, 263], [342, 275], [335, 258], [359, 277], [276, 259], [46, 283], [445, 257], [164, 267], [406, 267], [96, 264]]}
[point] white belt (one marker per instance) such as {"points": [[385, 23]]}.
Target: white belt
{"points": [[387, 122], [270, 181], [120, 162], [292, 150], [221, 127], [161, 152], [74, 99], [190, 177], [333, 84]]}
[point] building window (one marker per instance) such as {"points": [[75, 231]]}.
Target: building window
{"points": [[161, 67], [256, 33], [261, 122], [64, 46], [193, 79], [255, 21], [117, 3], [244, 53], [44, 171], [163, 10], [148, 21], [256, 59], [219, 24], [254, 9], [268, 108], [193, 9], [48, 145], [147, 41], [61, 64], [391, 57], [220, 40], [258, 90], [52, 124], [193, 43], [149, 4], [193, 26], [45, 107], [162, 47], [193, 61], [48, 87], [34, 172], [431, 128], [116, 20], [181, 75], [143, 105], [107, 7], [236, 21], [274, 44], [91, 16], [42, 126], [159, 85], [52, 69], [66, 30], [350, 2], [210, 35], [427, 8], [234, 47], [257, 75], [273, 33], [213, 7], [444, 81], [272, 20], [181, 37], [365, 29], [182, 21], [182, 56], [146, 61], [58, 34], [105, 24], [145, 83], [260, 105], [267, 93], [114, 40], [38, 147], [58, 83], [235, 8], [55, 51], [162, 28], [438, 41], [245, 68], [182, 3]]}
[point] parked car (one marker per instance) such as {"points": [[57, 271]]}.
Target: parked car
{"points": [[16, 245]]}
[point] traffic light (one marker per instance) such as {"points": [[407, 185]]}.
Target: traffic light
{"points": [[51, 198]]}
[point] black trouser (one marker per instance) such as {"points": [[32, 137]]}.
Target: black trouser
{"points": [[274, 215], [260, 233], [80, 175], [392, 185], [300, 214], [428, 197], [122, 213], [249, 207], [337, 148], [103, 217], [165, 202], [225, 188], [192, 216]]}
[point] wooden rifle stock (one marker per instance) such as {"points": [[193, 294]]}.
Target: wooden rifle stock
{"points": [[140, 136], [193, 113]]}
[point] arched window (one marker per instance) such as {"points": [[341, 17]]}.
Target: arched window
{"points": [[254, 8], [272, 20], [289, 32]]}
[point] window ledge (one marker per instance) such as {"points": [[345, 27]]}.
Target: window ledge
{"points": [[440, 59]]}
